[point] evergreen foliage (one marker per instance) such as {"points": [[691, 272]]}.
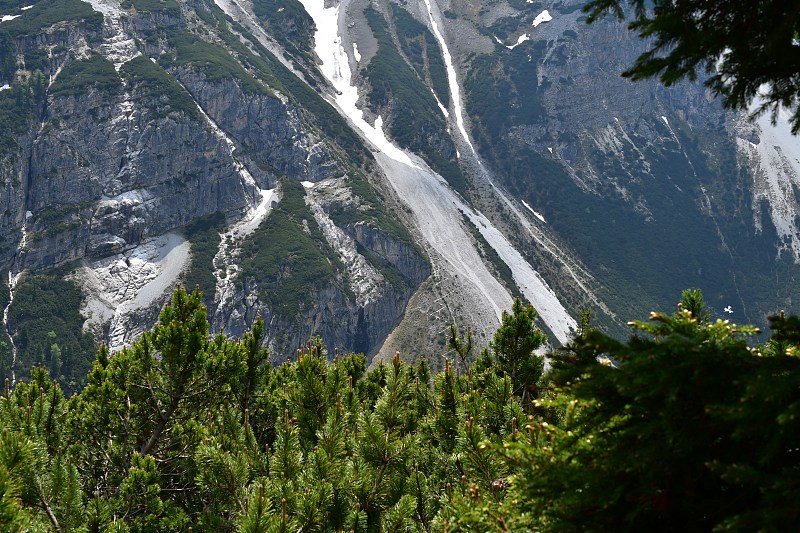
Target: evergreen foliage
{"points": [[204, 235], [168, 6], [421, 49], [45, 14], [153, 82], [78, 76], [47, 325], [213, 60], [288, 255], [288, 21], [685, 426], [17, 108], [514, 346]]}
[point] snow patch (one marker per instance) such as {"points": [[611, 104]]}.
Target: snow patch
{"points": [[437, 210], [443, 109], [12, 285], [537, 215], [522, 38], [436, 207], [225, 262], [13, 281], [6, 18], [5, 87], [118, 286], [308, 184], [336, 68], [26, 8], [666, 122], [452, 79], [549, 149], [356, 55], [530, 282], [544, 16]]}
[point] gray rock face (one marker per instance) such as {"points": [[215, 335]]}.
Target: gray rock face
{"points": [[639, 185], [13, 182], [404, 257], [270, 132], [645, 185], [113, 164], [332, 312], [107, 174]]}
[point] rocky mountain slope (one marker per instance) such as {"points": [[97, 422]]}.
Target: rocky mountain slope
{"points": [[365, 171]]}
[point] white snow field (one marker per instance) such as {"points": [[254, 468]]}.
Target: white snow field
{"points": [[544, 16], [452, 79], [119, 286]]}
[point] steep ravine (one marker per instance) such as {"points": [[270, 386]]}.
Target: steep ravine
{"points": [[436, 208]]}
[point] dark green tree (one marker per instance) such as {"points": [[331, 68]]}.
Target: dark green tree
{"points": [[514, 346], [745, 49], [684, 427]]}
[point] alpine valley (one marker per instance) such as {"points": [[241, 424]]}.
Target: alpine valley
{"points": [[369, 171]]}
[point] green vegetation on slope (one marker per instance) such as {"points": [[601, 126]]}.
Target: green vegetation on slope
{"points": [[213, 60], [288, 22], [44, 14], [203, 234], [47, 326], [155, 83], [78, 76], [265, 67], [17, 106], [8, 57], [375, 214], [288, 255], [5, 342], [501, 92], [421, 48], [143, 6], [415, 122]]}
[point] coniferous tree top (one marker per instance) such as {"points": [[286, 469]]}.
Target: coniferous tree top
{"points": [[684, 427], [747, 48]]}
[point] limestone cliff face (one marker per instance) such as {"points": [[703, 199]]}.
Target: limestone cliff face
{"points": [[402, 255], [15, 156], [150, 143], [108, 173], [272, 132], [355, 308], [134, 138], [13, 182]]}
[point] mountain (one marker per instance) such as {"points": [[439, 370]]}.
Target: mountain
{"points": [[365, 171]]}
